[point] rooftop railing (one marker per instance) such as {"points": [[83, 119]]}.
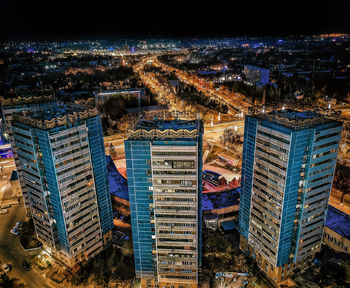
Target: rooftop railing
{"points": [[37, 119], [282, 115], [21, 100], [167, 133]]}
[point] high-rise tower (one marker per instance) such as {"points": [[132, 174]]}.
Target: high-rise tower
{"points": [[9, 107], [61, 152], [289, 159], [164, 164]]}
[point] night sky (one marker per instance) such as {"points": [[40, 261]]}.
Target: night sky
{"points": [[55, 20]]}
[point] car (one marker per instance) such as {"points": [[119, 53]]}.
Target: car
{"points": [[119, 235], [6, 268], [6, 206], [14, 231], [3, 211], [26, 265]]}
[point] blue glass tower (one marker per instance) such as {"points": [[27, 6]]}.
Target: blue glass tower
{"points": [[288, 163], [164, 164], [61, 152]]}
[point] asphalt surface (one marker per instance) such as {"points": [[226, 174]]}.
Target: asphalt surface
{"points": [[12, 253]]}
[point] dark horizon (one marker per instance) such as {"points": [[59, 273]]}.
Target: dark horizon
{"points": [[73, 21]]}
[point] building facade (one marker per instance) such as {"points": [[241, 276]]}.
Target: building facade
{"points": [[164, 164], [11, 106], [289, 159], [61, 153]]}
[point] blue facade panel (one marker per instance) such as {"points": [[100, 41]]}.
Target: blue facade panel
{"points": [[138, 164], [55, 198], [250, 127], [299, 141], [98, 158]]}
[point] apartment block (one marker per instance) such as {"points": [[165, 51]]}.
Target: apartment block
{"points": [[61, 152], [164, 164], [289, 159], [11, 106]]}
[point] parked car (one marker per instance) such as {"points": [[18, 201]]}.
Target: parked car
{"points": [[14, 231], [26, 265], [6, 268], [119, 235], [3, 211], [6, 206], [18, 226]]}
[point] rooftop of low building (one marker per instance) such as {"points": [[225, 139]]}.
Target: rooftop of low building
{"points": [[118, 185], [338, 221], [219, 200]]}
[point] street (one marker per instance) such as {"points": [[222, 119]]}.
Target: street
{"points": [[12, 253]]}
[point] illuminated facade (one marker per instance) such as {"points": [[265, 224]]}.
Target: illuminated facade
{"points": [[13, 105], [164, 164], [289, 159], [61, 152]]}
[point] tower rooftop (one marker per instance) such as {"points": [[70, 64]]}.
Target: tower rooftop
{"points": [[296, 119], [54, 116], [153, 129]]}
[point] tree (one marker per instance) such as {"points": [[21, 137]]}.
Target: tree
{"points": [[342, 180], [6, 281], [114, 107], [91, 103]]}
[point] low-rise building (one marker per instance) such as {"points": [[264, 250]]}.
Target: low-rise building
{"points": [[146, 112], [118, 187], [101, 97], [220, 207], [337, 230]]}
